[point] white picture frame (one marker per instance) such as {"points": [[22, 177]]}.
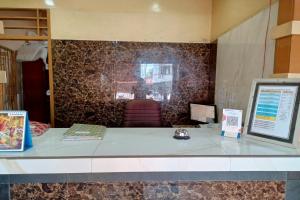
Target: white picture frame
{"points": [[232, 123]]}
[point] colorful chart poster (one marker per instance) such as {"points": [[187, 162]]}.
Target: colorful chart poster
{"points": [[14, 131], [232, 123], [274, 110]]}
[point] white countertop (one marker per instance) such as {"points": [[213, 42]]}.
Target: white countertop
{"points": [[132, 142], [148, 149]]}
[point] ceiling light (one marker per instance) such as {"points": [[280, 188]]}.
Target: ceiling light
{"points": [[49, 2], [155, 7]]}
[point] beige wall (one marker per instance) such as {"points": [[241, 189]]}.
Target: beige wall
{"points": [[230, 13], [127, 20], [133, 20]]}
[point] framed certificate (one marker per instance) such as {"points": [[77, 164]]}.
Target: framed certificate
{"points": [[273, 111]]}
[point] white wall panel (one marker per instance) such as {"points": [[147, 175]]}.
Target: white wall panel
{"points": [[240, 59]]}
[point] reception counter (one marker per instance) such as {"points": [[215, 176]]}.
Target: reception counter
{"points": [[148, 163], [148, 150]]}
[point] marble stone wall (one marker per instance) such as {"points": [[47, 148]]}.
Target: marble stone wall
{"points": [[267, 190], [93, 80]]}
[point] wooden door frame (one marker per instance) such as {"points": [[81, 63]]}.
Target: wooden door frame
{"points": [[50, 72]]}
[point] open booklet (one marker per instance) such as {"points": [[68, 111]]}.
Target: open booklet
{"points": [[85, 132]]}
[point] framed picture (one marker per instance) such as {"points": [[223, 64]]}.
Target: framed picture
{"points": [[272, 113], [13, 130]]}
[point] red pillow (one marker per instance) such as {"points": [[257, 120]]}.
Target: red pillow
{"points": [[38, 128]]}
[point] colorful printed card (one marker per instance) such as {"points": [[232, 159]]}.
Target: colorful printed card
{"points": [[232, 123], [15, 132]]}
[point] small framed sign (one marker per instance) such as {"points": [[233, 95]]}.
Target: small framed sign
{"points": [[232, 123], [15, 132], [272, 114]]}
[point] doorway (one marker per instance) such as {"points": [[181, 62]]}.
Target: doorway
{"points": [[28, 79], [27, 34], [36, 90]]}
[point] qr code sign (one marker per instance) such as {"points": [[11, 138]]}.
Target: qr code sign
{"points": [[232, 121]]}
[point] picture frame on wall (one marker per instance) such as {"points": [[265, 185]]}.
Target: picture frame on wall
{"points": [[273, 111]]}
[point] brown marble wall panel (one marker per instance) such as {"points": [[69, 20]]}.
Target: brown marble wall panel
{"points": [[256, 190], [39, 191], [93, 80]]}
